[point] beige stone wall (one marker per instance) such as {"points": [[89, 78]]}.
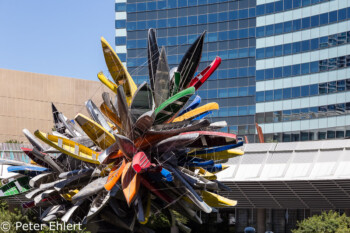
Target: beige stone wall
{"points": [[25, 100]]}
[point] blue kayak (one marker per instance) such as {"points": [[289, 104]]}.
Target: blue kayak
{"points": [[202, 115], [192, 105], [27, 170]]}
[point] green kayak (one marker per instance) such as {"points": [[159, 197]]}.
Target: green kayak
{"points": [[15, 187], [167, 111]]}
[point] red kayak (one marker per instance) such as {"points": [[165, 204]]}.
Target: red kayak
{"points": [[198, 81], [140, 162]]}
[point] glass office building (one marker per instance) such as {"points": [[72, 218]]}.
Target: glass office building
{"points": [[284, 62], [230, 27], [302, 69]]}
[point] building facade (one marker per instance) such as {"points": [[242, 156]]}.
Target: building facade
{"points": [[230, 27], [297, 49], [303, 69], [25, 101]]}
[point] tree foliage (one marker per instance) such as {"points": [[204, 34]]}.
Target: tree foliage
{"points": [[326, 222]]}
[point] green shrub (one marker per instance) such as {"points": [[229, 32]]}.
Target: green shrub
{"points": [[327, 222]]}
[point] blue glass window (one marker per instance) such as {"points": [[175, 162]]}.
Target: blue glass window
{"points": [[233, 34], [251, 71], [296, 69], [131, 44], [120, 7], [243, 91], [182, 3], [287, 93], [172, 41], [212, 37], [278, 50], [251, 110], [260, 96], [131, 26], [305, 45], [141, 25], [243, 52], [120, 40], [260, 53], [242, 111], [152, 23], [287, 71], [277, 72], [324, 19], [223, 35], [342, 14], [192, 20], [252, 52], [269, 30], [296, 3], [202, 19], [269, 52], [182, 21], [288, 4], [122, 57], [315, 21], [191, 2], [287, 49], [296, 24], [232, 111], [260, 9], [251, 12], [120, 24], [232, 54], [260, 31], [287, 27], [232, 15], [295, 92], [278, 28], [161, 23], [268, 95], [243, 33], [242, 72], [313, 89], [314, 44], [222, 93], [278, 6], [151, 6], [131, 8], [141, 6], [305, 68], [212, 93], [182, 40], [270, 7], [305, 91], [251, 90], [306, 2], [161, 5], [172, 22], [162, 41], [341, 85], [333, 16], [251, 32], [232, 73], [277, 94], [296, 47], [223, 16], [305, 23], [172, 4], [260, 75], [242, 14], [191, 38], [314, 67], [141, 43], [212, 18], [268, 74]]}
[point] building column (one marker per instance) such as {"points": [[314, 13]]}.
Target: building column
{"points": [[347, 212], [261, 220]]}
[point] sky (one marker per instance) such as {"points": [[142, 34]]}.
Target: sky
{"points": [[57, 37]]}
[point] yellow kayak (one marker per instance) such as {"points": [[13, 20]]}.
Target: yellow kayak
{"points": [[107, 82], [197, 111], [68, 196], [226, 154], [215, 200], [99, 135], [204, 173], [118, 72], [69, 147]]}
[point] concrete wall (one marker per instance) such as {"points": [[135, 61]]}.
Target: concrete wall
{"points": [[25, 100]]}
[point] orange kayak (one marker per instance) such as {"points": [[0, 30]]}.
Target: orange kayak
{"points": [[130, 183], [114, 176]]}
